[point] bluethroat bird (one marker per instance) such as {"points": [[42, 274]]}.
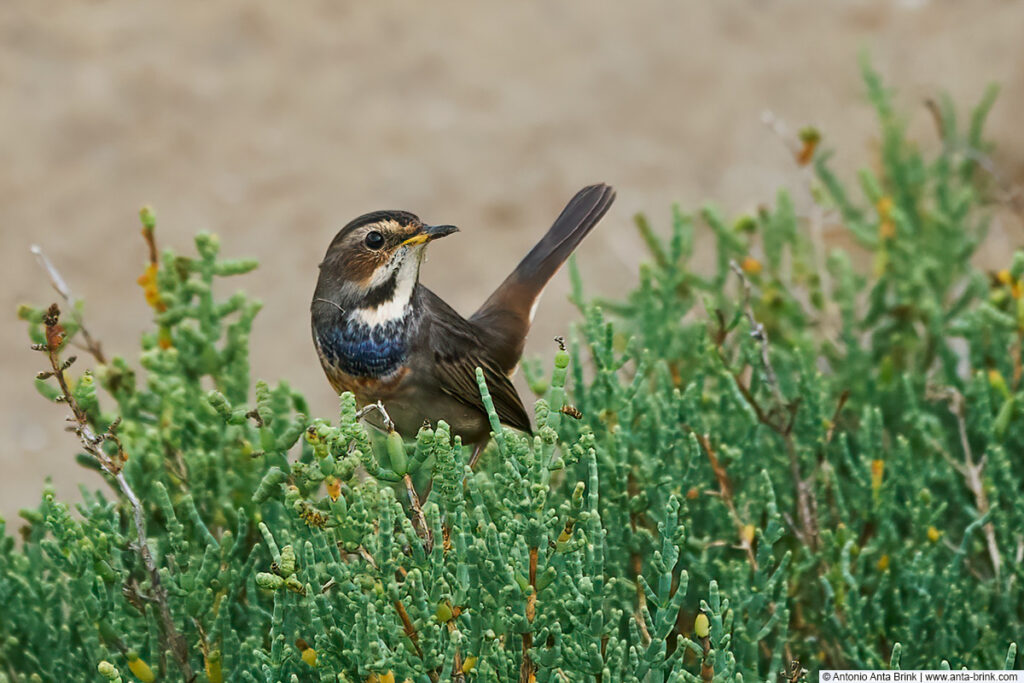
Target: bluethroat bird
{"points": [[385, 337]]}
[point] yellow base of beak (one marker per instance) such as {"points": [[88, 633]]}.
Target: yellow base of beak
{"points": [[416, 239]]}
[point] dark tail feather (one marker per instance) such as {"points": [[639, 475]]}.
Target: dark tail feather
{"points": [[577, 219], [505, 316]]}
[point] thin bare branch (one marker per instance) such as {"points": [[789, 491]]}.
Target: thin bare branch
{"points": [[527, 669], [60, 284], [806, 502], [759, 334], [971, 472], [725, 492], [113, 466], [421, 520]]}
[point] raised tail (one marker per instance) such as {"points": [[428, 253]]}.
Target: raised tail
{"points": [[506, 315]]}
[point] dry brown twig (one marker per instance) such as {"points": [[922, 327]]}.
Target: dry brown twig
{"points": [[806, 504], [365, 554], [971, 472], [725, 493], [93, 442], [421, 520], [758, 333], [409, 628], [527, 669], [60, 284]]}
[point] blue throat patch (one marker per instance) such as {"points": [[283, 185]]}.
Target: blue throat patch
{"points": [[359, 350]]}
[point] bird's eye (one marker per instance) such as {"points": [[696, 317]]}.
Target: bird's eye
{"points": [[374, 240]]}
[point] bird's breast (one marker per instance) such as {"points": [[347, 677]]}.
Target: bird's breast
{"points": [[362, 350]]}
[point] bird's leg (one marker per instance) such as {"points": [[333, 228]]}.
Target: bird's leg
{"points": [[389, 425], [477, 451]]}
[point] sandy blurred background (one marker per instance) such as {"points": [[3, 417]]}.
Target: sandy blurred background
{"points": [[273, 124]]}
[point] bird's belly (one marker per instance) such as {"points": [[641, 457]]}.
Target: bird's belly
{"points": [[411, 408], [410, 404]]}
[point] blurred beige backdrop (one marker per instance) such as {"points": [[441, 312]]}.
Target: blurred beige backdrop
{"points": [[273, 124]]}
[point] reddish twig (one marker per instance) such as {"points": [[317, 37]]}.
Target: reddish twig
{"points": [[725, 493], [113, 466], [527, 670]]}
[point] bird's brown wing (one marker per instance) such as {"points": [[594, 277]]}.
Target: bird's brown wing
{"points": [[456, 345]]}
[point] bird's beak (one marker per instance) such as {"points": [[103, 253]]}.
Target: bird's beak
{"points": [[428, 233]]}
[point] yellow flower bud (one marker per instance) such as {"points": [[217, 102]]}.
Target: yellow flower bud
{"points": [[886, 229], [443, 612], [884, 207], [998, 382], [702, 626], [333, 487], [883, 563], [934, 534], [469, 664], [877, 470], [309, 656], [140, 669]]}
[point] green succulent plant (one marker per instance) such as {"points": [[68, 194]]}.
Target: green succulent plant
{"points": [[750, 473]]}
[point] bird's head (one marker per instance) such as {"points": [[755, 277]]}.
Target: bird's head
{"points": [[375, 260]]}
